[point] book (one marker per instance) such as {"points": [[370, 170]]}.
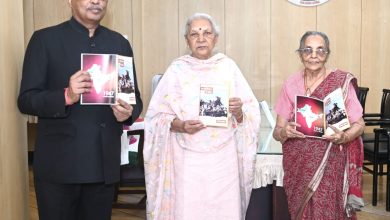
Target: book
{"points": [[315, 115], [214, 104], [112, 77], [126, 86]]}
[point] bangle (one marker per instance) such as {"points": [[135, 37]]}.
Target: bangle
{"points": [[280, 133], [239, 116], [346, 137], [173, 127], [68, 100]]}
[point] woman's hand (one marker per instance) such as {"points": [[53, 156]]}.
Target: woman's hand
{"points": [[235, 107], [290, 131], [339, 137], [187, 126], [285, 130]]}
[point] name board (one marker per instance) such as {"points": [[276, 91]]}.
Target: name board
{"points": [[308, 3]]}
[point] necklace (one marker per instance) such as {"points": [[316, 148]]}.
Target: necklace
{"points": [[308, 88]]}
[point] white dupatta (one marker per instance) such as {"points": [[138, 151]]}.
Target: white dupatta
{"points": [[177, 96]]}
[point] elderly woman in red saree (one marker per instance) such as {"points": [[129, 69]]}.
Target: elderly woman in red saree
{"points": [[195, 171], [322, 175]]}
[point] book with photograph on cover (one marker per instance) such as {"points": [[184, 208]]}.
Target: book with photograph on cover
{"points": [[112, 77], [214, 104], [126, 89], [315, 115]]}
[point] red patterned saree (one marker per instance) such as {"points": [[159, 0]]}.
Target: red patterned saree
{"points": [[322, 180]]}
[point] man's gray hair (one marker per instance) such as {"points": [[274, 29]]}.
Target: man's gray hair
{"points": [[204, 16]]}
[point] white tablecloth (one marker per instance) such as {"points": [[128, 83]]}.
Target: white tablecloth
{"points": [[267, 169], [126, 145]]}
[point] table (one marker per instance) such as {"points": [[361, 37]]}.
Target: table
{"points": [[269, 159], [268, 199], [130, 145]]}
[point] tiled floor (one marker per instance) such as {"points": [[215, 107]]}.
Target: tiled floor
{"points": [[369, 212]]}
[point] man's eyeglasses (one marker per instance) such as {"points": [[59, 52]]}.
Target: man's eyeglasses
{"points": [[321, 52]]}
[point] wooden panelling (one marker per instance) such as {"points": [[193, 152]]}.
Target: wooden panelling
{"points": [[288, 24], [160, 42], [260, 35], [375, 47], [119, 17], [343, 28], [13, 138], [250, 49], [28, 19], [136, 43], [48, 13]]}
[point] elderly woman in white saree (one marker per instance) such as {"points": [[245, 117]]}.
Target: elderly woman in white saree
{"points": [[194, 171]]}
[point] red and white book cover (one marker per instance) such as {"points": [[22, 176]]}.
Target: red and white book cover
{"points": [[315, 115], [112, 76], [309, 113], [102, 68]]}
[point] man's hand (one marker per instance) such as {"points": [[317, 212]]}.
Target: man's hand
{"points": [[122, 110], [79, 83]]}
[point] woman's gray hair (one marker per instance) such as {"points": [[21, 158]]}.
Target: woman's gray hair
{"points": [[313, 33], [197, 16]]}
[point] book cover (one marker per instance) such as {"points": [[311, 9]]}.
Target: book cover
{"points": [[315, 115], [214, 104], [102, 68], [126, 89], [335, 111], [309, 113], [112, 77]]}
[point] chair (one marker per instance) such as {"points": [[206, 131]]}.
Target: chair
{"points": [[133, 178], [375, 144], [155, 80], [362, 95], [381, 119], [378, 154]]}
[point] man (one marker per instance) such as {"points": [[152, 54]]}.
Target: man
{"points": [[77, 155]]}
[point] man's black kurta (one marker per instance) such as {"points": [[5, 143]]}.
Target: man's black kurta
{"points": [[76, 143]]}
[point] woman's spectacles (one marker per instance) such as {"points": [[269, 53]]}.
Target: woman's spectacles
{"points": [[321, 52]]}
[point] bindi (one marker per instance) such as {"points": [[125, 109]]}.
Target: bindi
{"points": [[205, 28]]}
